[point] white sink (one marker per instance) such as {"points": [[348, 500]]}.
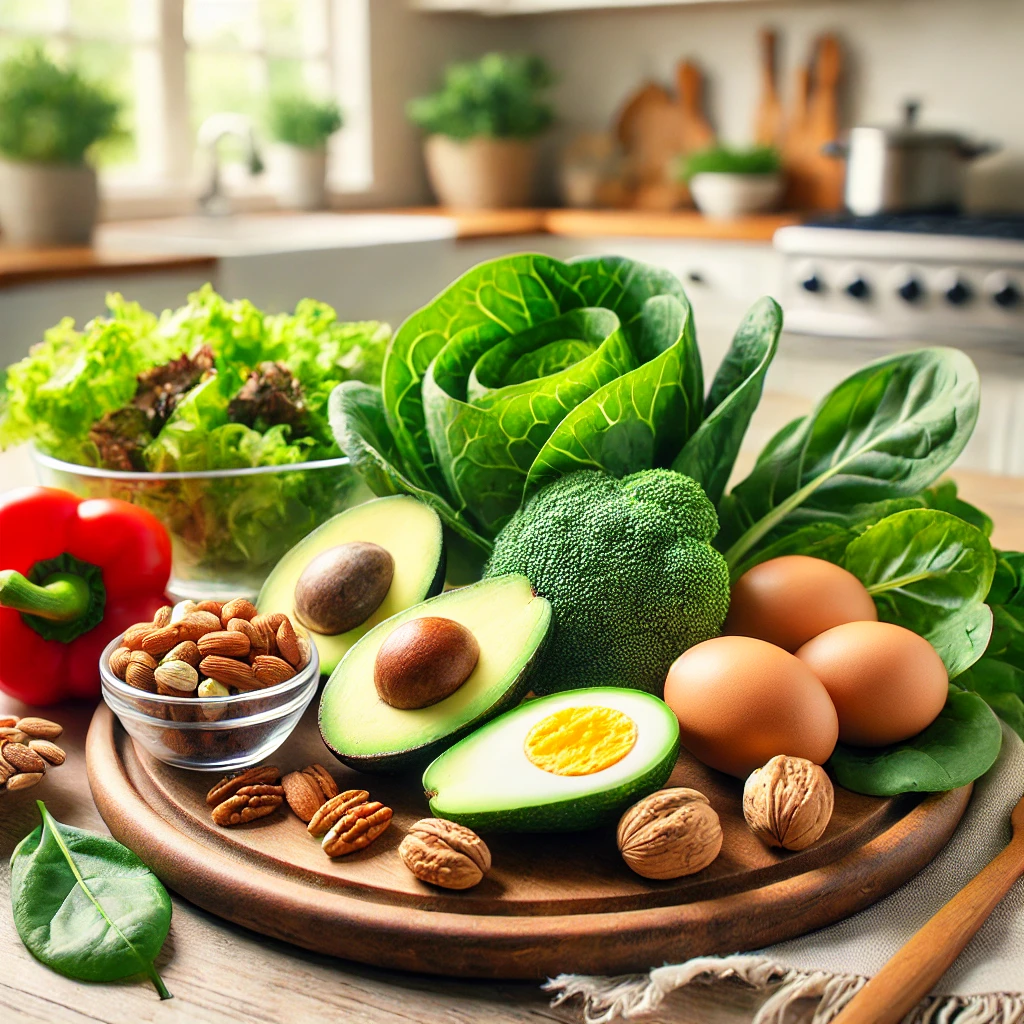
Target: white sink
{"points": [[264, 234]]}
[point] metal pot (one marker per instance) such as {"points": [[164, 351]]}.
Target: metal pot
{"points": [[905, 169]]}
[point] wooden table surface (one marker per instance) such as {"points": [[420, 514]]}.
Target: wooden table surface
{"points": [[223, 974]]}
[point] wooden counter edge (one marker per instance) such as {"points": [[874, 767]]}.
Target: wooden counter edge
{"points": [[30, 266]]}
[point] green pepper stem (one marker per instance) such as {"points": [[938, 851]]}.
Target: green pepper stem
{"points": [[62, 597]]}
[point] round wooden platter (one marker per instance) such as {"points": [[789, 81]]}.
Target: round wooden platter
{"points": [[551, 904]]}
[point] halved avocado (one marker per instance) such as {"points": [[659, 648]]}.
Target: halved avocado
{"points": [[509, 623], [488, 781], [409, 530]]}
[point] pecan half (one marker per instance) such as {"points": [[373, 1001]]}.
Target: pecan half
{"points": [[335, 809], [227, 787], [248, 804], [446, 854], [359, 827], [308, 790]]}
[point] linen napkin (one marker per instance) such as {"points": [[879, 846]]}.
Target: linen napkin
{"points": [[813, 977]]}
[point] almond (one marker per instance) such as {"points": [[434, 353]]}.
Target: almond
{"points": [[288, 644], [197, 624], [134, 635], [140, 671], [25, 780], [6, 771], [40, 728], [163, 616], [229, 642], [237, 608], [17, 755], [307, 791], [175, 678], [267, 632], [269, 670], [8, 723], [119, 661], [229, 671], [271, 620], [214, 607], [160, 640], [187, 651], [12, 735], [48, 751], [257, 639]]}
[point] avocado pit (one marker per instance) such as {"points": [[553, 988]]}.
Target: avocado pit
{"points": [[424, 661], [343, 586]]}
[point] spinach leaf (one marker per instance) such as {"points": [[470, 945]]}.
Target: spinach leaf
{"points": [[1002, 686], [1008, 582], [957, 748], [710, 453], [929, 571], [886, 431], [816, 540], [357, 418], [86, 906]]}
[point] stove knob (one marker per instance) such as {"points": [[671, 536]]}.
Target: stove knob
{"points": [[910, 290], [813, 284], [1008, 296], [858, 288], [958, 293]]}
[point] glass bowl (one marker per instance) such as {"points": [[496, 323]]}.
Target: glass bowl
{"points": [[210, 734], [228, 527]]}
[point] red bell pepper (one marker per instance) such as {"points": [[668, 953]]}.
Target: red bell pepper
{"points": [[75, 574]]}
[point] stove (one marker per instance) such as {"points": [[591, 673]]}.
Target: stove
{"points": [[932, 277]]}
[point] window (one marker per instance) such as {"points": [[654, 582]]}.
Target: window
{"points": [[175, 62]]}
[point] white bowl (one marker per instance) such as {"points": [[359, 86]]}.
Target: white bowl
{"points": [[727, 196]]}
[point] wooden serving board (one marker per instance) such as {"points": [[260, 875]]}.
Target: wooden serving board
{"points": [[550, 904]]}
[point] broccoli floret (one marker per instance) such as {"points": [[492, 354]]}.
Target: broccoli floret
{"points": [[629, 570]]}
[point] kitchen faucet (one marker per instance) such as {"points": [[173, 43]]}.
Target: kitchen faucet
{"points": [[212, 200]]}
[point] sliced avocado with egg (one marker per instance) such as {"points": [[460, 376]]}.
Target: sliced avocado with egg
{"points": [[507, 623], [400, 531], [555, 764]]}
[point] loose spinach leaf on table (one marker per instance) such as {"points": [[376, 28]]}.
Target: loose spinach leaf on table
{"points": [[710, 453], [929, 571], [86, 906], [887, 431], [957, 748]]}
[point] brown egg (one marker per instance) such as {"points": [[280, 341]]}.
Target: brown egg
{"points": [[741, 701], [788, 600], [886, 682]]}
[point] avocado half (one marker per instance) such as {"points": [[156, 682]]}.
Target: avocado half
{"points": [[487, 782], [406, 528], [510, 624]]}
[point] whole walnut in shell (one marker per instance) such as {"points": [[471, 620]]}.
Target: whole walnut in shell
{"points": [[671, 833], [788, 802]]}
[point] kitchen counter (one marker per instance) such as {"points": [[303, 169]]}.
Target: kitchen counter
{"points": [[23, 265]]}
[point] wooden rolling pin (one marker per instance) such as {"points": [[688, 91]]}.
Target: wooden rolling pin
{"points": [[912, 973]]}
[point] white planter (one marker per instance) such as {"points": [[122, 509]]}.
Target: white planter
{"points": [[727, 196], [300, 176], [47, 204], [481, 174]]}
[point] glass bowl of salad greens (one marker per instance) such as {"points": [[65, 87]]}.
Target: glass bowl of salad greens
{"points": [[212, 416]]}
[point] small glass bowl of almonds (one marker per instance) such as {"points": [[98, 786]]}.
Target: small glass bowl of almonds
{"points": [[211, 686]]}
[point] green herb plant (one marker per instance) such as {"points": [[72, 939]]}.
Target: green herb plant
{"points": [[723, 160], [303, 121], [49, 113], [499, 96], [86, 906]]}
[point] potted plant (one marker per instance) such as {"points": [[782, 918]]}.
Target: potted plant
{"points": [[50, 116], [301, 126], [727, 183], [482, 128]]}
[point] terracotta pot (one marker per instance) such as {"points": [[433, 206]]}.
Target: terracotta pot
{"points": [[300, 176], [481, 174], [47, 204]]}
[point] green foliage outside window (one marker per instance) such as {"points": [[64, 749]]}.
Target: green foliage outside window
{"points": [[50, 113], [499, 96]]}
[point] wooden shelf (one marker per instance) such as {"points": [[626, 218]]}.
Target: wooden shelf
{"points": [[22, 265]]}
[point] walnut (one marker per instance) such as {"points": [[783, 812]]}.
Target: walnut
{"points": [[788, 802], [671, 833], [445, 854]]}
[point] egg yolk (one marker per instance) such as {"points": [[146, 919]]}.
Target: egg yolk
{"points": [[580, 740]]}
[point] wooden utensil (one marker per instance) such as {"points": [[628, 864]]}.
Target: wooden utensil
{"points": [[768, 119], [647, 129], [827, 172], [795, 144], [694, 130], [912, 973]]}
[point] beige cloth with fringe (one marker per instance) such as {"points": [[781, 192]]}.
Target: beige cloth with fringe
{"points": [[815, 976]]}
